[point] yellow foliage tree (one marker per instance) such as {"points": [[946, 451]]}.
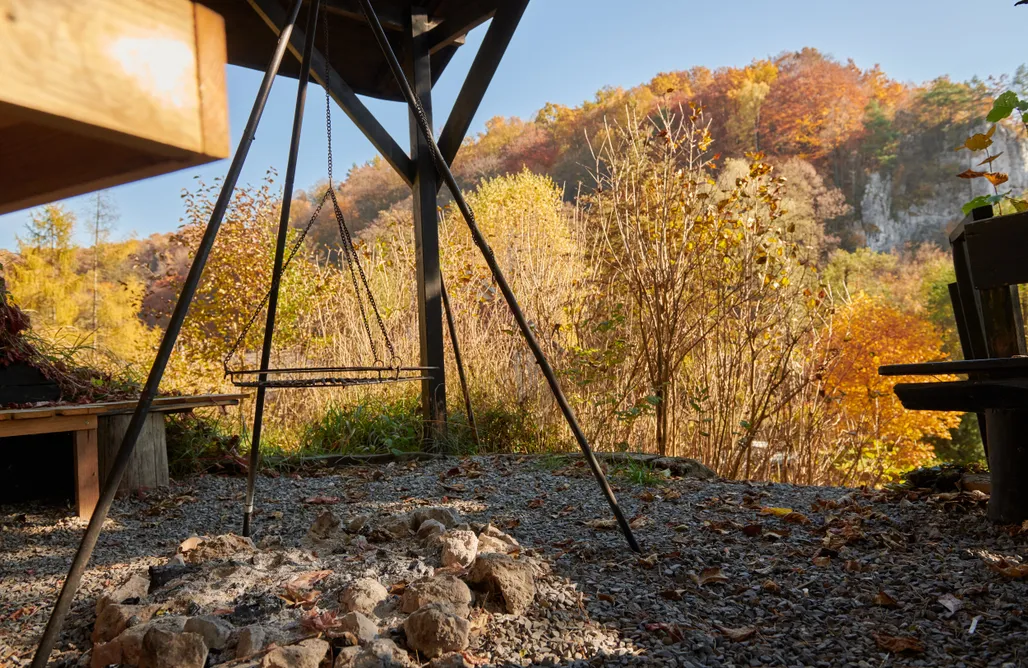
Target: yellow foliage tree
{"points": [[878, 438]]}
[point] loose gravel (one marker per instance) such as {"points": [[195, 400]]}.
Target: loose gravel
{"points": [[733, 573]]}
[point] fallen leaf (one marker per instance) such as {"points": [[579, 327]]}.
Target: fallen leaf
{"points": [[601, 525], [647, 497], [853, 566], [711, 575], [752, 530], [638, 522], [305, 580], [796, 518], [884, 600], [648, 562], [822, 561], [537, 502], [951, 603], [777, 512], [672, 594], [771, 587], [605, 597], [322, 500], [899, 644], [738, 635]]}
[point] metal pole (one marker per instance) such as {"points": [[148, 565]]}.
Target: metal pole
{"points": [[494, 267], [128, 444], [276, 274], [459, 361]]}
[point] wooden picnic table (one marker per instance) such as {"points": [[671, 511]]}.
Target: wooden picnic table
{"points": [[98, 430]]}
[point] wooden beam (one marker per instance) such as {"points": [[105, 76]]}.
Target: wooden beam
{"points": [[48, 425], [455, 26], [387, 16], [426, 236], [500, 32], [274, 16], [87, 472]]}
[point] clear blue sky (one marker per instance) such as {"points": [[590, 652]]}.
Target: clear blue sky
{"points": [[565, 50]]}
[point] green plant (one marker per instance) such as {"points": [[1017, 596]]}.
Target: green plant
{"points": [[640, 473], [202, 445], [373, 427], [1003, 107]]}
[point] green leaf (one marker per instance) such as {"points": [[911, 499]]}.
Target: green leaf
{"points": [[983, 200], [1003, 106]]}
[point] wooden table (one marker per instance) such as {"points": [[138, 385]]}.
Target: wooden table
{"points": [[82, 420]]}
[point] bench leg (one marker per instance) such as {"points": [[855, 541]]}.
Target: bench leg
{"points": [[1008, 465], [87, 472]]}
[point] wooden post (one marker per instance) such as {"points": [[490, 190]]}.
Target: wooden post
{"points": [[1008, 462], [87, 472], [148, 468], [426, 237]]}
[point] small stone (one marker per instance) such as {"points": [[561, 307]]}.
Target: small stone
{"points": [[448, 517], [215, 631], [162, 575], [189, 544], [487, 544], [324, 526], [459, 548], [165, 649], [435, 630], [307, 654], [131, 640], [363, 596], [397, 526], [493, 532], [451, 660], [447, 589], [357, 524], [220, 547], [513, 580], [115, 618], [132, 590], [430, 529], [251, 640], [360, 626], [105, 654], [347, 657], [381, 653]]}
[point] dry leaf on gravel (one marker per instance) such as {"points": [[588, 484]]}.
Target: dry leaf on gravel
{"points": [[305, 580], [712, 575], [672, 594], [822, 562], [601, 525], [771, 587], [322, 500], [647, 497], [777, 512], [882, 599], [899, 644], [537, 502], [1008, 567], [738, 635], [796, 518], [752, 530], [605, 597], [638, 522]]}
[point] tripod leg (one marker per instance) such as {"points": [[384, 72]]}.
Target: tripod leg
{"points": [[128, 444], [276, 275], [494, 267], [460, 363]]}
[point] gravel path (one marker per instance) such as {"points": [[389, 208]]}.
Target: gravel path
{"points": [[735, 574]]}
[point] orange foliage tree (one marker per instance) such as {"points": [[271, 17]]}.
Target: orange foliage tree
{"points": [[878, 439]]}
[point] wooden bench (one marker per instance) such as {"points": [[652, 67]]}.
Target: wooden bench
{"points": [[98, 430], [989, 262]]}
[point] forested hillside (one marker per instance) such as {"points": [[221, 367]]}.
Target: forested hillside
{"points": [[711, 259]]}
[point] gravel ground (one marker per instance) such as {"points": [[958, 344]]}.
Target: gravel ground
{"points": [[734, 574]]}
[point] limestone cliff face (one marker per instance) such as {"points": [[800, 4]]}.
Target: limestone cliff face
{"points": [[915, 203]]}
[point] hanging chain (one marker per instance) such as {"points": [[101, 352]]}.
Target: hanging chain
{"points": [[349, 249]]}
